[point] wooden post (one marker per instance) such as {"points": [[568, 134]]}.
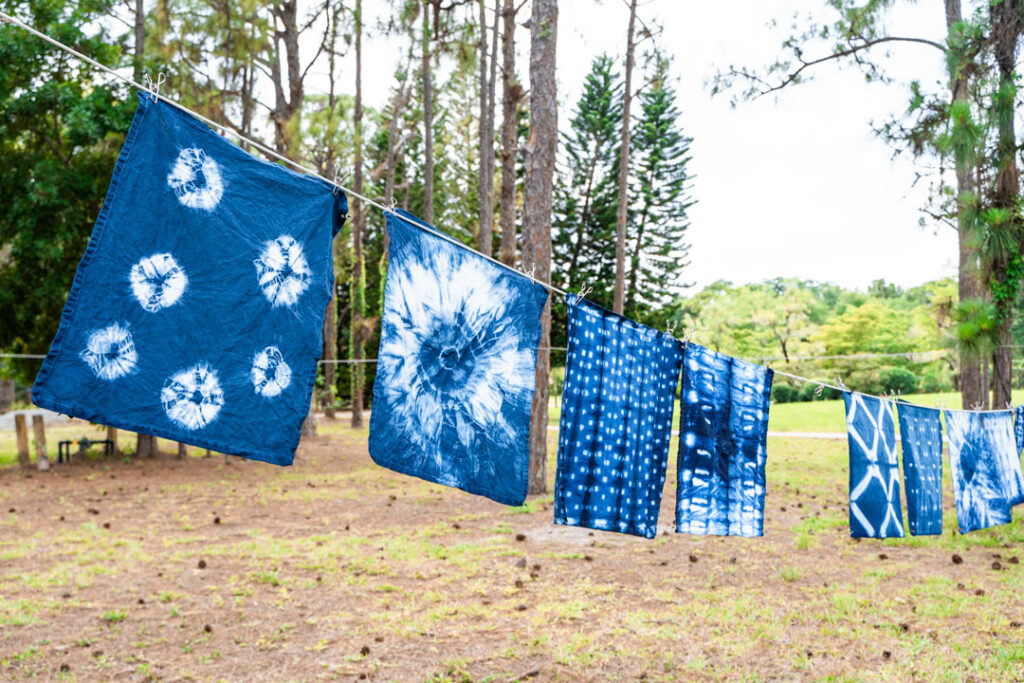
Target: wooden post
{"points": [[21, 430], [39, 429], [112, 438]]}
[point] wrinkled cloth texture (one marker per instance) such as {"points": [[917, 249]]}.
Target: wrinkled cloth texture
{"points": [[986, 470], [196, 313], [455, 370], [723, 430], [921, 437], [876, 510], [1018, 428], [616, 423]]}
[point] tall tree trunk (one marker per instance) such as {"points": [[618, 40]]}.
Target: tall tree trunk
{"points": [[1006, 33], [140, 39], [287, 101], [358, 228], [330, 318], [428, 120], [485, 233], [538, 193], [973, 380], [511, 94], [620, 216]]}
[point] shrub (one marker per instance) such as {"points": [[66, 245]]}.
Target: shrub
{"points": [[899, 380], [785, 393]]}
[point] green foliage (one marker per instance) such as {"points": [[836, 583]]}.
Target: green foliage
{"points": [[61, 127]]}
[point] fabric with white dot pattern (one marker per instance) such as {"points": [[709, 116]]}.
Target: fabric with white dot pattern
{"points": [[616, 424], [723, 430]]}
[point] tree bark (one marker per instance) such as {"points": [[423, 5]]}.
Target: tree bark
{"points": [[620, 216], [287, 101], [973, 381], [541, 147], [330, 327], [485, 233], [512, 93], [145, 446], [428, 120], [140, 40], [358, 228], [1006, 33]]}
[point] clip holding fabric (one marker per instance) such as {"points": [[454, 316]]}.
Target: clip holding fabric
{"points": [[154, 88], [339, 177], [585, 290], [390, 205], [532, 273]]}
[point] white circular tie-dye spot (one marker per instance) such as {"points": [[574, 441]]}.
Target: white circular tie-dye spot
{"points": [[158, 282], [196, 180], [193, 397], [270, 373], [110, 352], [282, 271]]}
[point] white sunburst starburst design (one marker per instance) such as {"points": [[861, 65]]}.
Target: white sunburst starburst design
{"points": [[270, 373], [157, 282], [196, 179], [452, 358], [192, 398], [283, 271], [110, 352]]}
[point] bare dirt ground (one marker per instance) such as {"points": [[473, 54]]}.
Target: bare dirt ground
{"points": [[337, 569]]}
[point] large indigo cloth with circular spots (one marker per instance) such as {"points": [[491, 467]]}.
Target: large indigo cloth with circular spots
{"points": [[455, 370], [617, 403], [723, 430], [987, 479], [921, 437], [196, 313], [876, 510]]}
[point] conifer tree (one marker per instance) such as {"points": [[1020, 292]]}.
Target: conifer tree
{"points": [[659, 197], [585, 203]]}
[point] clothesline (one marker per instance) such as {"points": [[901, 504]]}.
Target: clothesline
{"points": [[153, 92], [263, 148]]}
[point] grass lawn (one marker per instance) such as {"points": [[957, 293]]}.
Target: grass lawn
{"points": [[337, 569]]}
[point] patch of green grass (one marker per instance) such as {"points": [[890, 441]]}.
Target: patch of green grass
{"points": [[114, 616]]}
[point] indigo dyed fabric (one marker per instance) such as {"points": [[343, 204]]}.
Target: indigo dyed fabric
{"points": [[723, 431], [986, 470], [1018, 428], [876, 510], [455, 370], [921, 436], [196, 313], [613, 438]]}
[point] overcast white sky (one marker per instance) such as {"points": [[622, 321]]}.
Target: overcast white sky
{"points": [[795, 185]]}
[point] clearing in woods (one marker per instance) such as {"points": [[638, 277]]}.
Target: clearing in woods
{"points": [[338, 569]]}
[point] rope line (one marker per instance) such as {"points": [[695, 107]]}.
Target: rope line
{"points": [[266, 150], [334, 183]]}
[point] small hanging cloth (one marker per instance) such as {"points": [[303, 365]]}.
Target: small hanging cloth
{"points": [[987, 478], [723, 433], [876, 510], [1018, 428], [455, 370], [196, 313], [921, 437], [616, 424]]}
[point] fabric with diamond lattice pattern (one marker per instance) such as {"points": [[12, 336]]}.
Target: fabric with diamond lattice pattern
{"points": [[617, 404], [921, 437], [876, 510], [196, 313], [723, 430], [986, 471]]}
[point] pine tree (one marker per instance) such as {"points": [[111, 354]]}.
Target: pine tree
{"points": [[585, 191], [659, 198]]}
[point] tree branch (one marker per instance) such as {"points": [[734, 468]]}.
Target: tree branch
{"points": [[795, 75]]}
